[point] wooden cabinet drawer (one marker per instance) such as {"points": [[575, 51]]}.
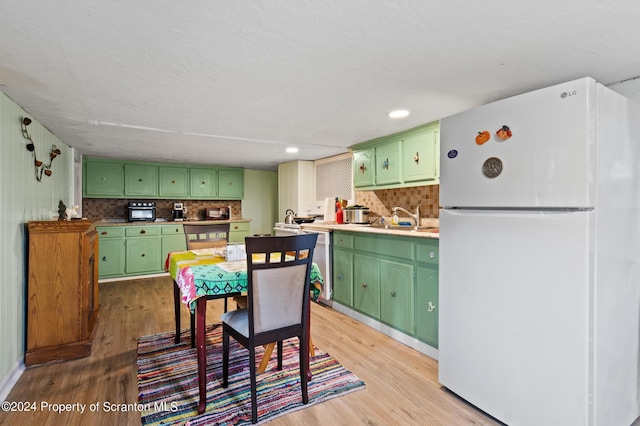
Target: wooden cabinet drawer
{"points": [[142, 231]]}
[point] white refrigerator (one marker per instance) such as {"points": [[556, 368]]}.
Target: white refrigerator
{"points": [[540, 257]]}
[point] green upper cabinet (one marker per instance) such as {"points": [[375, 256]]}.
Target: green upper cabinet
{"points": [[140, 180], [388, 163], [420, 155], [204, 183], [103, 178], [363, 170], [408, 158], [173, 181], [231, 184]]}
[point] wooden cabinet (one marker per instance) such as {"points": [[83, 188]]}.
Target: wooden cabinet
{"points": [[111, 261], [103, 178], [173, 181], [62, 290], [408, 158], [391, 279], [203, 183]]}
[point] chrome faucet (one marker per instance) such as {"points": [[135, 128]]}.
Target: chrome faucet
{"points": [[415, 217]]}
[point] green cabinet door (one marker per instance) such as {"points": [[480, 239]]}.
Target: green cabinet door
{"points": [[103, 178], [238, 231], [343, 276], [363, 168], [420, 155], [230, 184], [388, 163], [426, 307], [143, 255], [111, 251], [173, 181], [396, 295], [172, 240], [203, 183], [140, 180], [366, 285]]}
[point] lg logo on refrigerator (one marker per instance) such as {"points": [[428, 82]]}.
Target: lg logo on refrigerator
{"points": [[567, 94]]}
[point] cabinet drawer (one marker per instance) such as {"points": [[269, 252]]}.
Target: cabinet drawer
{"points": [[239, 227], [110, 232], [343, 240], [385, 246], [172, 230], [428, 253], [142, 231]]}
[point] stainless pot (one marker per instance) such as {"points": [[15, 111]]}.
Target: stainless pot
{"points": [[356, 214], [289, 218]]}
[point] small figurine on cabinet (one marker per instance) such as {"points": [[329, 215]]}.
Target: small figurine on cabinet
{"points": [[62, 211]]}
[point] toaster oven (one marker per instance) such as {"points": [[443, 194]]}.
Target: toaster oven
{"points": [[142, 211]]}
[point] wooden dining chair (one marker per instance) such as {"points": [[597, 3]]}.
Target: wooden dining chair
{"points": [[278, 284], [201, 236]]}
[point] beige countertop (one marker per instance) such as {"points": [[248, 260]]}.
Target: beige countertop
{"points": [[124, 222], [352, 227]]}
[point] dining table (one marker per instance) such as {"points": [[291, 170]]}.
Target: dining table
{"points": [[202, 274]]}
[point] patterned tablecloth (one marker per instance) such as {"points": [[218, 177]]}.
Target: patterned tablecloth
{"points": [[206, 272]]}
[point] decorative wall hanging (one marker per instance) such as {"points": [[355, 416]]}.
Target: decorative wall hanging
{"points": [[40, 166]]}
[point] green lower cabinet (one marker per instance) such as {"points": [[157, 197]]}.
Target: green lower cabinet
{"points": [[238, 231], [427, 305], [343, 276], [172, 240], [396, 295], [143, 255], [366, 285], [391, 279], [111, 257]]}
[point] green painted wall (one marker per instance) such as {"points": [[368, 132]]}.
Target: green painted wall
{"points": [[22, 199], [260, 203]]}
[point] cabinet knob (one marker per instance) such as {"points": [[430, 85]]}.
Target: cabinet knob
{"points": [[103, 233], [432, 254], [140, 180], [142, 255], [431, 307], [364, 285], [103, 178], [203, 182], [393, 294], [340, 276], [104, 258], [173, 181], [143, 231], [177, 230]]}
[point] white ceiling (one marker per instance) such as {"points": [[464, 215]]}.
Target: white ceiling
{"points": [[236, 82]]}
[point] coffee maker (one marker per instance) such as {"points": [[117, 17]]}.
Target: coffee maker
{"points": [[179, 212]]}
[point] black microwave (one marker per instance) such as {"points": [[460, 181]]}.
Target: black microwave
{"points": [[142, 211]]}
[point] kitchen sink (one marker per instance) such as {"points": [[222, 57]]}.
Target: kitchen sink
{"points": [[408, 228]]}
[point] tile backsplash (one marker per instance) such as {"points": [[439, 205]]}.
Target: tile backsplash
{"points": [[380, 202], [111, 208]]}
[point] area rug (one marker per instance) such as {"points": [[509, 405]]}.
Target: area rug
{"points": [[168, 382]]}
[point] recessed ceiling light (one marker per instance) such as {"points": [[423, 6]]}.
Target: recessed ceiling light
{"points": [[399, 113], [292, 150]]}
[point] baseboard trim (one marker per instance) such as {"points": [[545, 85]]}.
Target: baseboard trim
{"points": [[412, 342], [10, 380]]}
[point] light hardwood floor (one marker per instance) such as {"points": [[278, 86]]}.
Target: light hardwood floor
{"points": [[401, 384]]}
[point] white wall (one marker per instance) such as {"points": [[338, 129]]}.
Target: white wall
{"points": [[22, 198], [628, 88]]}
